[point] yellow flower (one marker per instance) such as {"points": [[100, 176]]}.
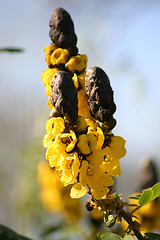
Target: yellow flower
{"points": [[59, 56], [48, 50], [97, 215], [54, 197], [75, 80], [49, 104], [54, 126], [93, 175], [46, 77], [51, 187], [69, 139], [112, 167], [98, 133], [113, 153], [81, 79], [78, 191], [77, 63], [56, 153], [86, 143], [83, 107], [96, 179], [117, 147], [95, 158], [68, 171]]}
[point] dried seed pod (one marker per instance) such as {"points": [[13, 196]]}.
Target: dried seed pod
{"points": [[62, 31], [100, 95], [64, 95]]}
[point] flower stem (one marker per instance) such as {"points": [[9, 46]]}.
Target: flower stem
{"points": [[129, 220]]}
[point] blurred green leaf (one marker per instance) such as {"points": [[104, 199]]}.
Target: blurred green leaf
{"points": [[51, 229], [128, 237], [108, 236], [8, 234], [155, 236], [111, 221], [156, 190], [133, 205], [11, 50], [146, 197], [135, 197], [150, 194]]}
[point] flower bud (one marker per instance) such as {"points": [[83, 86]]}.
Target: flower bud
{"points": [[64, 95], [100, 95], [62, 31]]}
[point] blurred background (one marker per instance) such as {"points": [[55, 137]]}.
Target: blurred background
{"points": [[121, 37]]}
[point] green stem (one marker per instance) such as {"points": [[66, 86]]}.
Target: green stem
{"points": [[129, 220]]}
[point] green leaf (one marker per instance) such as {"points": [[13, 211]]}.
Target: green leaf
{"points": [[8, 234], [146, 197], [133, 205], [51, 229], [154, 236], [11, 50], [111, 221], [135, 197], [106, 217], [156, 191], [128, 237], [108, 236]]}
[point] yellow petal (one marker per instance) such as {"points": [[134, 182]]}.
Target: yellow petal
{"points": [[92, 140], [95, 159], [55, 125], [49, 104], [47, 140], [48, 50], [117, 146], [81, 79], [47, 75], [83, 107], [68, 139], [75, 80], [82, 173], [113, 170], [78, 191], [59, 56], [100, 193], [100, 137], [82, 144], [78, 62]]}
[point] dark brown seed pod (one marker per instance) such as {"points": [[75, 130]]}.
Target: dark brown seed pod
{"points": [[62, 31], [61, 20], [64, 95], [100, 95]]}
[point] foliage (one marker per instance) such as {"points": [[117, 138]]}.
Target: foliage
{"points": [[12, 50], [7, 234]]}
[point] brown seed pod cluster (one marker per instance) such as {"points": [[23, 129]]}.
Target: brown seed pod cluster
{"points": [[62, 31], [64, 96], [100, 96]]}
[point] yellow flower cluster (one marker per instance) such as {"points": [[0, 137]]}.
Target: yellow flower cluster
{"points": [[58, 59], [54, 197], [86, 154], [79, 158]]}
